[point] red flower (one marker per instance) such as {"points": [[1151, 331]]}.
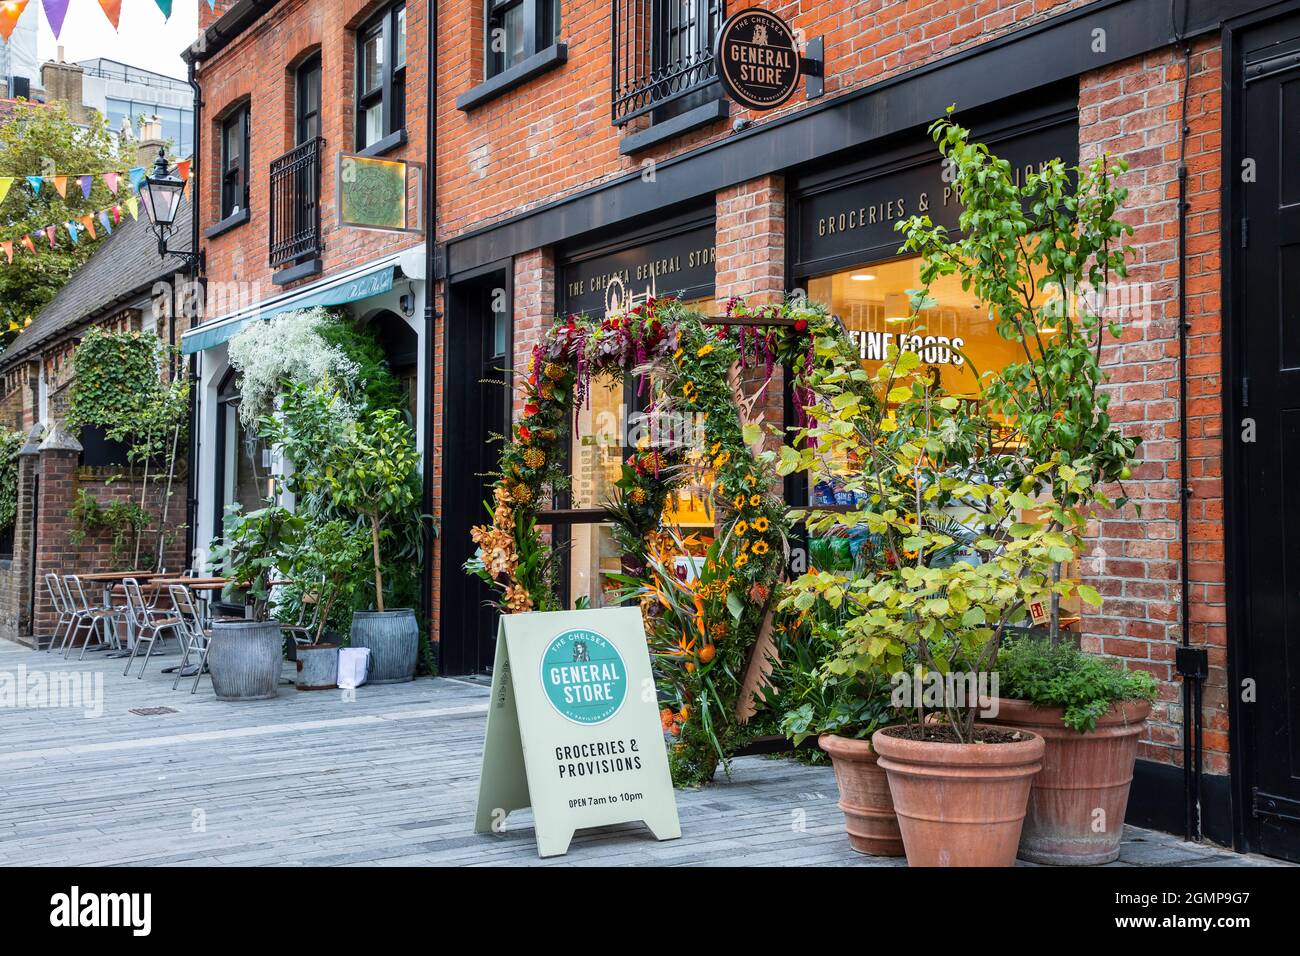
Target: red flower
{"points": [[525, 434], [801, 325], [531, 408], [722, 334]]}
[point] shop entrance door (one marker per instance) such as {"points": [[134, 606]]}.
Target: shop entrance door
{"points": [[477, 408], [1268, 429]]}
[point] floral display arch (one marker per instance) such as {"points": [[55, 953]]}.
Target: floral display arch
{"points": [[689, 367]]}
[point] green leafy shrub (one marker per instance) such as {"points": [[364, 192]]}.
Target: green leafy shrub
{"points": [[10, 444], [1032, 669]]}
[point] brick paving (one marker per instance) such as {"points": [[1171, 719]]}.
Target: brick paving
{"points": [[387, 779]]}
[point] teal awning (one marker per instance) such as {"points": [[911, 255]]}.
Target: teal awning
{"points": [[204, 337]]}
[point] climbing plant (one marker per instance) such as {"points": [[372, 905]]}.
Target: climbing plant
{"points": [[697, 423], [10, 444]]}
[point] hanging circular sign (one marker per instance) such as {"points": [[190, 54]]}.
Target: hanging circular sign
{"points": [[758, 59], [584, 677]]}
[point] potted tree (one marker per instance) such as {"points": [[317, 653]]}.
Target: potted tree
{"points": [[246, 656], [325, 567], [377, 478], [1090, 712]]}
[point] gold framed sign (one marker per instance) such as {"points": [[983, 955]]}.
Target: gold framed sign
{"points": [[382, 195]]}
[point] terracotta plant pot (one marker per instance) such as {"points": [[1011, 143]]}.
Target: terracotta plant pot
{"points": [[868, 808], [1077, 805], [959, 804]]}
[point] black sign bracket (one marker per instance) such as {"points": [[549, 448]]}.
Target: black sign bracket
{"points": [[813, 67]]}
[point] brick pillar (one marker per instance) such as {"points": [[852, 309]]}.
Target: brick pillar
{"points": [[751, 240], [534, 310], [28, 467], [60, 455], [751, 264], [1133, 110]]}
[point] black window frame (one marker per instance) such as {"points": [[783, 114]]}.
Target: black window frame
{"points": [[390, 94], [234, 176], [541, 29], [308, 71]]}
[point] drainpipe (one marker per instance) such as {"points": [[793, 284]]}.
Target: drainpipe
{"points": [[1191, 663], [430, 311], [200, 304]]}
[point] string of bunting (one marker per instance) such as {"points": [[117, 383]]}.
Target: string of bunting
{"points": [[56, 11], [108, 219]]}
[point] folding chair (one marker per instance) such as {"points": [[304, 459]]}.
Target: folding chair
{"points": [[61, 607], [150, 625], [93, 620], [304, 631], [194, 638]]}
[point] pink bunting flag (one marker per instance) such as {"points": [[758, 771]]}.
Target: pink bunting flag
{"points": [[117, 215], [110, 180], [51, 233]]}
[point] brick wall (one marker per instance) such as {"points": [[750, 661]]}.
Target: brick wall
{"points": [[553, 135], [1133, 110], [258, 69], [16, 574]]}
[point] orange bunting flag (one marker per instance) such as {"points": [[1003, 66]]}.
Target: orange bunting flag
{"points": [[8, 248], [183, 169], [27, 244], [88, 223], [10, 11], [61, 184], [113, 10]]}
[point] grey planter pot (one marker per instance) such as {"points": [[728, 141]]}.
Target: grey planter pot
{"points": [[318, 667], [394, 641], [245, 659]]}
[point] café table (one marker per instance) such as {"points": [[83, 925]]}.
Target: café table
{"points": [[110, 581]]}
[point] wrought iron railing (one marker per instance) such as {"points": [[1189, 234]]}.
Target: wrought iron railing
{"points": [[295, 203], [663, 50]]}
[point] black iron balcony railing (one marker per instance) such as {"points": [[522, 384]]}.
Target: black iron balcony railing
{"points": [[663, 50], [295, 203]]}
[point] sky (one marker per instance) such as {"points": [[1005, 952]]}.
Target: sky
{"points": [[144, 39]]}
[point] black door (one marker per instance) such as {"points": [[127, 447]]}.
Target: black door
{"points": [[1268, 380], [477, 409]]}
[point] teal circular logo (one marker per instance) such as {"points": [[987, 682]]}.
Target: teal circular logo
{"points": [[584, 677]]}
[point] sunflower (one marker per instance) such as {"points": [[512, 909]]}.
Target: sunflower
{"points": [[762, 547], [741, 528], [705, 350], [755, 500], [742, 560], [760, 525], [739, 502]]}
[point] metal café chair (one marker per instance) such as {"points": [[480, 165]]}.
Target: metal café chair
{"points": [[149, 623], [194, 638], [94, 621], [62, 608], [303, 631]]}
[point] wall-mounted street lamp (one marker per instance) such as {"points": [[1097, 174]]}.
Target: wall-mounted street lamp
{"points": [[161, 196]]}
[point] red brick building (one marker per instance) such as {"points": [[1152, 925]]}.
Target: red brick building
{"points": [[579, 142]]}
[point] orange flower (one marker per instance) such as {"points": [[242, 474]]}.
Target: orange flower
{"points": [[666, 718]]}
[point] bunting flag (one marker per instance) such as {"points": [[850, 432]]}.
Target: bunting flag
{"points": [[60, 184], [183, 169], [117, 215], [166, 7], [113, 10], [28, 245], [72, 231], [51, 233], [88, 224], [35, 182], [137, 177], [10, 11], [133, 204], [103, 221], [55, 11], [86, 183], [8, 247], [5, 183], [110, 180]]}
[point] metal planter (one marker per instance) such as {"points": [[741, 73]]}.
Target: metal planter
{"points": [[317, 667], [393, 638], [245, 659]]}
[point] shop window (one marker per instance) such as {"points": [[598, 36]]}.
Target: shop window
{"points": [[234, 162], [516, 30], [381, 78]]}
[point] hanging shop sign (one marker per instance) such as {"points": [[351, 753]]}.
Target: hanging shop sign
{"points": [[758, 59], [573, 728], [379, 194], [850, 219], [680, 264]]}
